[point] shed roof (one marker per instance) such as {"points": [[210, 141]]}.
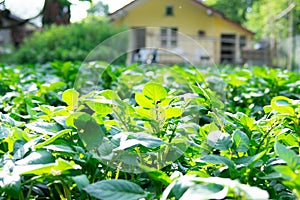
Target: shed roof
{"points": [[128, 7]]}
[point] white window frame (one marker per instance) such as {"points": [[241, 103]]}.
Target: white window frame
{"points": [[169, 38]]}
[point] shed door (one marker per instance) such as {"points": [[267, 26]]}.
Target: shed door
{"points": [[140, 37], [228, 48]]}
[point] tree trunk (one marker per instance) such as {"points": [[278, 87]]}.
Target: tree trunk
{"points": [[56, 12]]}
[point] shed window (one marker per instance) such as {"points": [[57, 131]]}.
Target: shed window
{"points": [[201, 33], [243, 41], [168, 37], [169, 11]]}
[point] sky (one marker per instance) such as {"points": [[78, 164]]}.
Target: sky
{"points": [[29, 8]]}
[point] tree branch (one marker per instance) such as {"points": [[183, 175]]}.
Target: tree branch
{"points": [[19, 23]]}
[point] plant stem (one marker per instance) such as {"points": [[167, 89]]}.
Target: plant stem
{"points": [[122, 121], [118, 171], [173, 133], [59, 192], [265, 136], [30, 190], [67, 191], [21, 195]]}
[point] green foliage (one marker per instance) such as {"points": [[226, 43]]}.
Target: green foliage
{"points": [[252, 89], [115, 189], [151, 132], [98, 9], [66, 43], [235, 10], [261, 16], [264, 20]]}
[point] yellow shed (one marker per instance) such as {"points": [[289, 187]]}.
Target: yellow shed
{"points": [[182, 30]]}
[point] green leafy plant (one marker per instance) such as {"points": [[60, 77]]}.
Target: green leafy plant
{"points": [[148, 133], [65, 43]]}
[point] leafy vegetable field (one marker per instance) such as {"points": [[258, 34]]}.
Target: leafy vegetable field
{"points": [[148, 132]]}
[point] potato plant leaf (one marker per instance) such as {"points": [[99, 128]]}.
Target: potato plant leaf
{"points": [[205, 191], [44, 127], [143, 139], [55, 169], [115, 189], [37, 157], [154, 91], [282, 105], [288, 155], [89, 130], [215, 159], [285, 171], [100, 108], [157, 175], [81, 181], [219, 140], [11, 184], [143, 101], [241, 141], [52, 138], [70, 97], [173, 112]]}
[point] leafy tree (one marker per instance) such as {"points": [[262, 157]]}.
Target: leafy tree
{"points": [[57, 12], [271, 18], [98, 9], [279, 23], [53, 12], [235, 10]]}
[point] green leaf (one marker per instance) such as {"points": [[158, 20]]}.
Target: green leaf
{"points": [[81, 181], [70, 97], [285, 171], [105, 150], [157, 175], [11, 185], [59, 148], [205, 191], [154, 91], [288, 155], [100, 108], [173, 112], [89, 131], [143, 139], [241, 190], [268, 109], [241, 141], [210, 96], [52, 139], [254, 159], [219, 140], [274, 175], [110, 94], [37, 157], [44, 127], [143, 101], [55, 169], [179, 187], [236, 80], [282, 105], [145, 113], [3, 132], [215, 159], [115, 189], [56, 85], [7, 119]]}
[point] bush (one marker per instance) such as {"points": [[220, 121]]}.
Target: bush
{"points": [[65, 43]]}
